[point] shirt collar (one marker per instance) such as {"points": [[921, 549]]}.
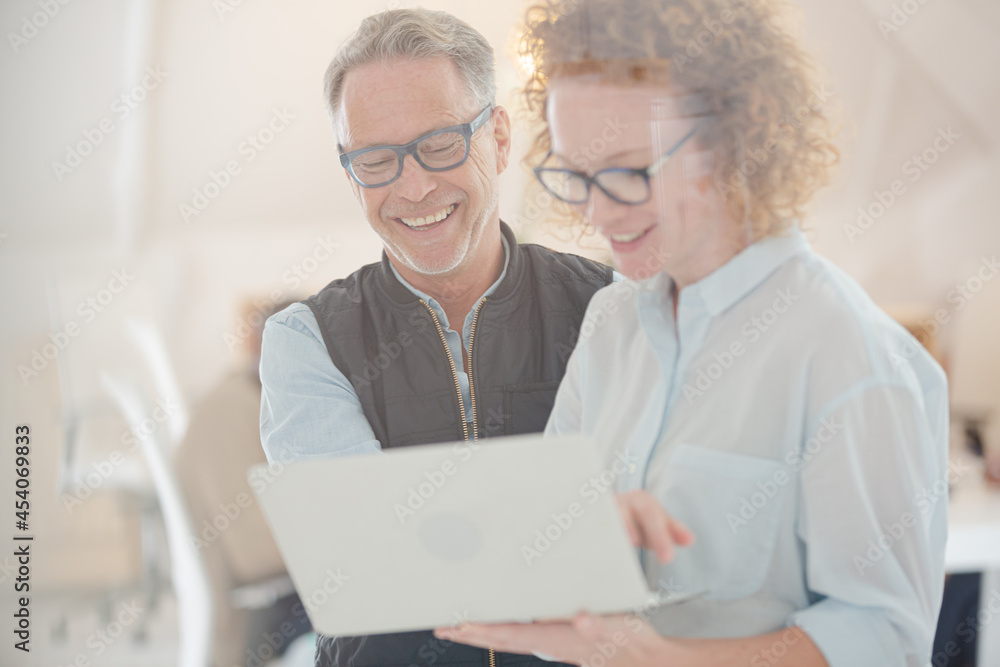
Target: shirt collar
{"points": [[492, 288], [724, 287]]}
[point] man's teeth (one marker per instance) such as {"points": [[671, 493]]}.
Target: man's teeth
{"points": [[626, 238], [430, 219]]}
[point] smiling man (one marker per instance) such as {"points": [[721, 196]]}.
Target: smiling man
{"points": [[459, 333]]}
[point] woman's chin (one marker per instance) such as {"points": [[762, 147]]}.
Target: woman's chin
{"points": [[635, 267]]}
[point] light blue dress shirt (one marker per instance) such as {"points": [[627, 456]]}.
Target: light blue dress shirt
{"points": [[308, 409], [796, 429]]}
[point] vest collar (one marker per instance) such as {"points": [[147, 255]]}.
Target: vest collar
{"points": [[400, 295]]}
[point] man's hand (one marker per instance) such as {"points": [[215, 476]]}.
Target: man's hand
{"points": [[649, 525]]}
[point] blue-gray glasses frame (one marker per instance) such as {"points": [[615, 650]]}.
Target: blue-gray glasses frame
{"points": [[587, 180], [466, 130]]}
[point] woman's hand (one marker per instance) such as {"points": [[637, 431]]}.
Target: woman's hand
{"points": [[630, 641], [649, 525], [613, 641], [617, 640]]}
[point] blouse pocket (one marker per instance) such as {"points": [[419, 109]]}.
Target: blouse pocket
{"points": [[732, 503]]}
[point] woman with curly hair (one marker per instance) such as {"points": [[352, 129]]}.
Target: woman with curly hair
{"points": [[772, 409]]}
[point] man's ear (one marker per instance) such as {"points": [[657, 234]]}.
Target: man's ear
{"points": [[501, 134], [340, 130], [355, 188]]}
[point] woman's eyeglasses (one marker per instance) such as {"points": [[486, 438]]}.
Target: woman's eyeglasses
{"points": [[621, 184]]}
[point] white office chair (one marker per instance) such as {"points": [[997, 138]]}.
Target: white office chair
{"points": [[150, 345], [188, 571]]}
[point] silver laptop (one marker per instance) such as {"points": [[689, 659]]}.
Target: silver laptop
{"points": [[507, 529]]}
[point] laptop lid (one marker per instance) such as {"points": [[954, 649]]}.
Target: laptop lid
{"points": [[508, 529]]}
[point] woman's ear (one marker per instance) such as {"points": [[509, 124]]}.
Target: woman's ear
{"points": [[697, 168]]}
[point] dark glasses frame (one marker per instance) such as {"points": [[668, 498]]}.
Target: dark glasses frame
{"points": [[594, 180], [466, 130]]}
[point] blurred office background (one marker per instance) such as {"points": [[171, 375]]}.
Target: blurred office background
{"points": [[168, 176]]}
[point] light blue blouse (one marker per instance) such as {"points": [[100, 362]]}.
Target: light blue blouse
{"points": [[797, 430]]}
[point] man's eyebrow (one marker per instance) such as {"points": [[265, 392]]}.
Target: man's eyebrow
{"points": [[361, 148], [374, 144]]}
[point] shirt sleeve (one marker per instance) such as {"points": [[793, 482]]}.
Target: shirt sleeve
{"points": [[308, 409], [873, 520], [565, 418]]}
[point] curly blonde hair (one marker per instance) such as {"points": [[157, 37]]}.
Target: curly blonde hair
{"points": [[770, 129]]}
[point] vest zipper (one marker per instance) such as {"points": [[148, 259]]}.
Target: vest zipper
{"points": [[472, 386], [475, 423], [458, 390], [454, 373]]}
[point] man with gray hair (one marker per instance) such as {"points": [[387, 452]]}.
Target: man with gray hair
{"points": [[459, 333]]}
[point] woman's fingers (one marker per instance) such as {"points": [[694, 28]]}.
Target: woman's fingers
{"points": [[681, 533], [629, 519], [558, 639], [649, 525], [649, 522]]}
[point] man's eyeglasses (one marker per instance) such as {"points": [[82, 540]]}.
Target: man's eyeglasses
{"points": [[439, 150], [622, 184]]}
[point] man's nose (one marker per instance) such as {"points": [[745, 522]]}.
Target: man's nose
{"points": [[414, 182]]}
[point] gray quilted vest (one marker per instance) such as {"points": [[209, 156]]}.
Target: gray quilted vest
{"points": [[391, 347]]}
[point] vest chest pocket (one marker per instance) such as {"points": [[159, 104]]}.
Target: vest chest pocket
{"points": [[526, 407], [733, 504]]}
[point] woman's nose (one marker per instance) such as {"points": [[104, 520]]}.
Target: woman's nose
{"points": [[602, 211]]}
